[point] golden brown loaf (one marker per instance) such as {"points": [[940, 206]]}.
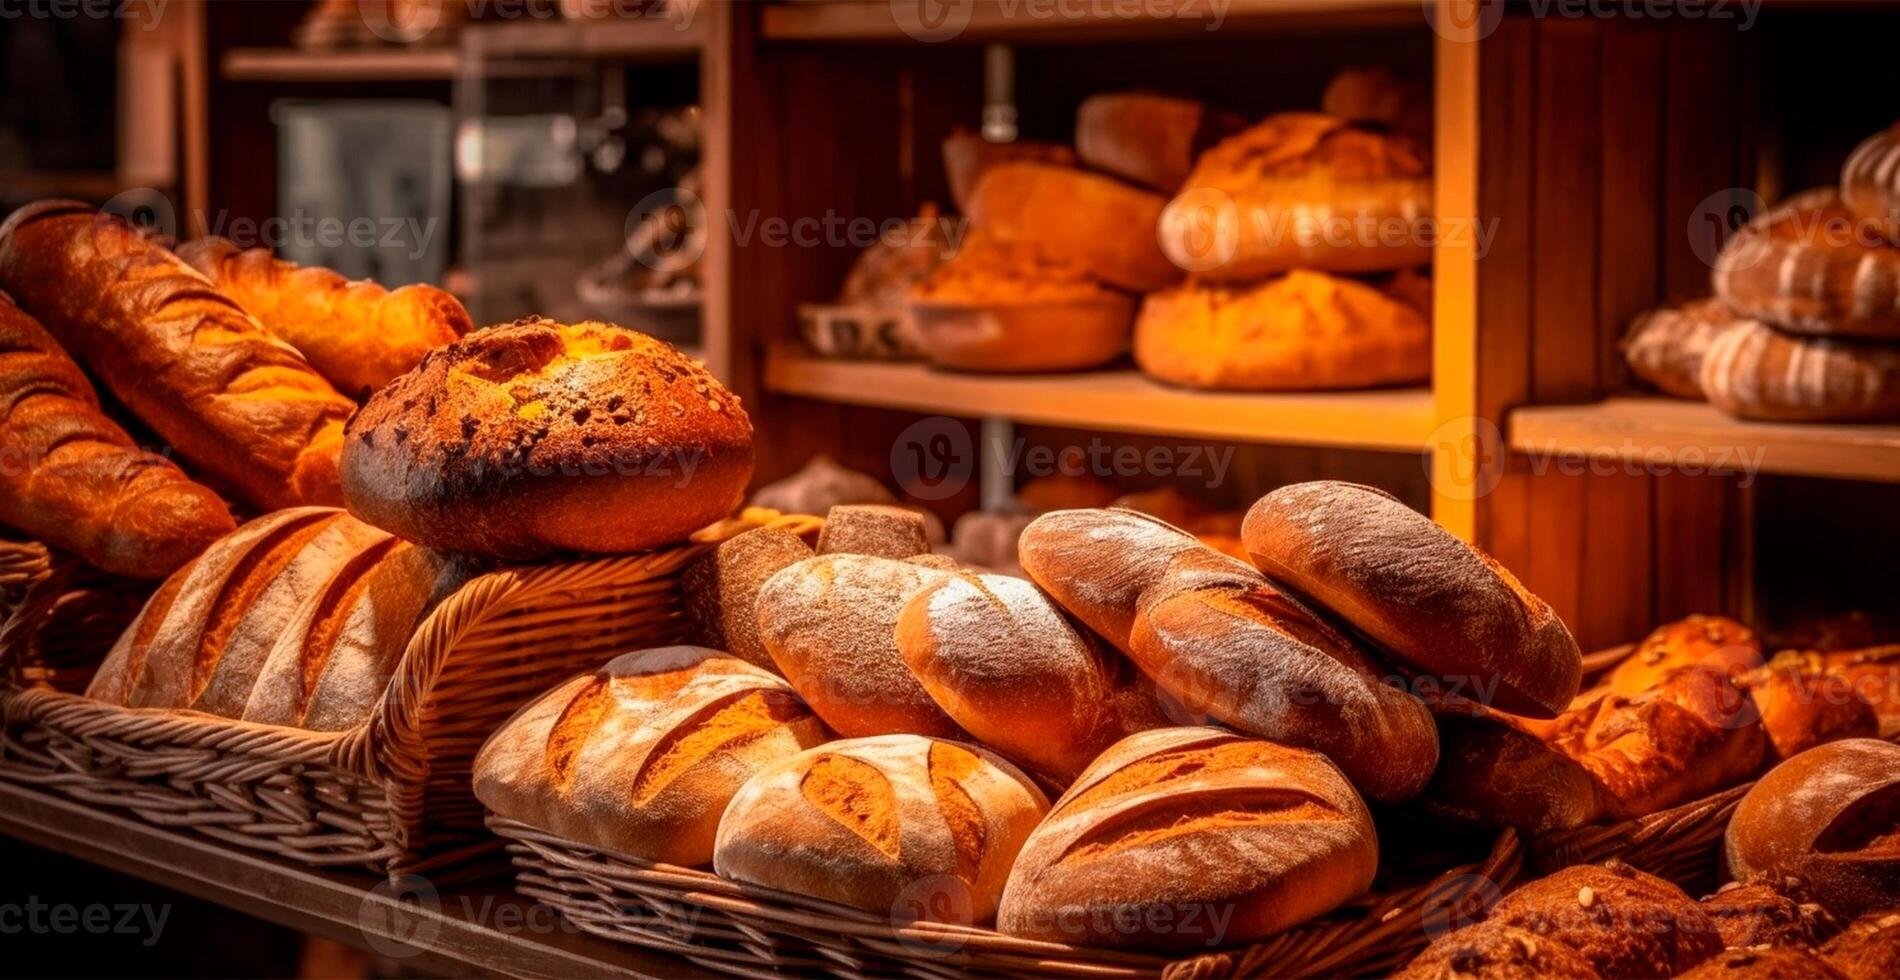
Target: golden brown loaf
{"points": [[874, 529], [1665, 346], [1830, 818], [1771, 963], [1184, 837], [643, 755], [1810, 266], [71, 477], [1302, 190], [1302, 331], [967, 156], [239, 404], [357, 334], [1755, 914], [1149, 139], [1442, 606], [1096, 222], [721, 590], [1490, 951], [1495, 775], [1873, 673], [830, 624], [898, 825], [1624, 922], [536, 438], [1757, 372], [1870, 181], [1801, 709], [1716, 642], [1869, 948]]}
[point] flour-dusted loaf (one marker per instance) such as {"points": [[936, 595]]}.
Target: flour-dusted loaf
{"points": [[1152, 140], [874, 529], [240, 405], [1829, 818], [536, 438], [1870, 181], [721, 589], [819, 486], [1443, 607], [1759, 372], [71, 477], [1097, 222], [1810, 266], [897, 825], [1715, 642], [643, 755], [1186, 837], [1665, 346], [1625, 922]]}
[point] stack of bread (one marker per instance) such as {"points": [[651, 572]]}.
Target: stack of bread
{"points": [[1804, 325]]}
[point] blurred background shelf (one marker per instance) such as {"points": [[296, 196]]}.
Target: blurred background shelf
{"points": [[365, 65], [1398, 420], [991, 20], [1682, 434]]}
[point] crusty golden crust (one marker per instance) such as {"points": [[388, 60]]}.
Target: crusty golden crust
{"points": [[1811, 266], [1624, 922], [1758, 372], [1772, 963], [536, 438], [1665, 346], [1105, 227], [1869, 948], [1716, 642], [1830, 818]]}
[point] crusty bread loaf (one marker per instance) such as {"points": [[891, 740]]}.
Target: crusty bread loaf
{"points": [[1757, 372], [1302, 331], [242, 406], [1097, 563], [1625, 922], [1493, 774], [1755, 915], [643, 755], [1869, 948], [898, 825], [1184, 837], [1152, 140], [1872, 673], [1810, 266], [1829, 817], [1715, 642], [874, 529], [1004, 663], [1105, 226], [830, 624], [535, 438], [967, 156], [1765, 963], [721, 590], [1870, 181], [357, 334], [1665, 346], [1440, 605], [71, 477], [1801, 709], [1492, 951]]}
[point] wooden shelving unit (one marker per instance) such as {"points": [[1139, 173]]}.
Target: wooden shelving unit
{"points": [[993, 20], [367, 65]]}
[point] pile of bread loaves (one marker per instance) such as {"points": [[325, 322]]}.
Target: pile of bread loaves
{"points": [[1238, 244], [1804, 324]]}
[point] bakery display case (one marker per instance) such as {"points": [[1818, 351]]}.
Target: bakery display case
{"points": [[863, 487]]}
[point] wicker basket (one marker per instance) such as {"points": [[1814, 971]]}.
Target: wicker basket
{"points": [[393, 793], [749, 930]]}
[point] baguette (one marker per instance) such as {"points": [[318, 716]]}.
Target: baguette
{"points": [[357, 334], [241, 405], [71, 477]]}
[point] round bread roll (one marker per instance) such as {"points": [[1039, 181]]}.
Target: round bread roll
{"points": [[1802, 709], [1869, 947], [1666, 346], [1870, 181], [1103, 225], [1715, 642], [1766, 963], [1624, 922], [535, 438], [643, 755], [1489, 951], [1810, 266], [830, 624], [1442, 606], [721, 590], [1757, 372], [898, 825], [1756, 915], [1185, 837], [1149, 139], [1829, 817]]}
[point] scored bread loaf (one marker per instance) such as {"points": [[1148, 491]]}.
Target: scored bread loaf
{"points": [[1149, 139], [242, 406], [1102, 225], [1493, 951], [1870, 181], [1758, 372], [1716, 642], [899, 825], [71, 477], [1666, 346], [535, 438], [721, 590], [1829, 818], [1442, 606], [1624, 922], [643, 755], [819, 486], [1184, 837], [357, 334], [1811, 266]]}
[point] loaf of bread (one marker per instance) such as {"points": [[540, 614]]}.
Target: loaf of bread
{"points": [[830, 625], [1624, 922], [1302, 331], [1665, 346], [874, 529], [967, 156], [1766, 963], [1870, 181], [1185, 837], [240, 405], [1810, 266], [71, 477], [1443, 607], [1869, 948], [1004, 664], [1873, 673], [1379, 96], [819, 486], [1105, 227], [643, 755], [1829, 818], [899, 825], [721, 590], [1801, 709], [1491, 951], [1224, 643], [1493, 774], [357, 334], [1715, 642], [536, 438], [1757, 372], [1302, 190], [1152, 140], [1756, 915]]}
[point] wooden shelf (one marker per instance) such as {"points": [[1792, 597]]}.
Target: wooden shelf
{"points": [[366, 65], [1399, 420], [1039, 21], [1683, 434], [658, 39], [458, 931]]}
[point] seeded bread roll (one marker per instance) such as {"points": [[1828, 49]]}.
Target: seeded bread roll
{"points": [[1102, 224], [534, 438], [1869, 948], [1870, 181], [1716, 642], [1149, 139], [1802, 709], [1758, 372], [830, 624], [1624, 922], [721, 589], [1185, 837], [643, 755], [874, 529], [1490, 951], [1757, 915], [1767, 963], [898, 825], [1442, 606], [1811, 266], [1829, 817]]}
